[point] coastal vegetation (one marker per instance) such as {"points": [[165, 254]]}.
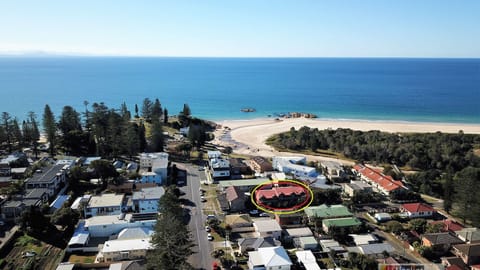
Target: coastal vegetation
{"points": [[100, 130], [445, 165]]}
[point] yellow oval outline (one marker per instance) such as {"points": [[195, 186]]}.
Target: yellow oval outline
{"points": [[279, 212]]}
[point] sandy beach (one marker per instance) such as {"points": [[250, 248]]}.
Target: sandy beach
{"points": [[248, 136]]}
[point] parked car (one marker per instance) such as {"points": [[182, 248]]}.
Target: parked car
{"points": [[207, 229], [28, 254], [209, 237], [211, 217], [203, 199], [263, 214], [254, 212]]}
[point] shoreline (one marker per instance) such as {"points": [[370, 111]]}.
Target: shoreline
{"points": [[248, 136], [366, 124], [333, 119]]}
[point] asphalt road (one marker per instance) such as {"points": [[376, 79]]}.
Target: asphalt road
{"points": [[201, 259]]}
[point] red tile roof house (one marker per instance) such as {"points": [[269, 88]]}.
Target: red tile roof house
{"points": [[417, 210], [448, 225], [380, 182], [281, 197]]}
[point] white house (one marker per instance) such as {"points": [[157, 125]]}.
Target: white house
{"points": [[79, 239], [298, 232], [331, 245], [220, 167], [105, 204], [267, 227], [292, 165], [105, 226], [80, 201], [306, 242], [306, 258], [382, 217], [333, 170], [363, 239], [214, 154], [146, 200], [356, 187], [130, 249], [155, 162], [417, 210], [135, 233], [269, 258], [371, 249]]}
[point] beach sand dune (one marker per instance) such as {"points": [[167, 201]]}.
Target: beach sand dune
{"points": [[248, 136]]}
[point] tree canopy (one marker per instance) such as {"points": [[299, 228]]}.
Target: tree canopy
{"points": [[49, 126], [171, 240]]}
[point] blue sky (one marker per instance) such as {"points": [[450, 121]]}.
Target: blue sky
{"points": [[243, 28]]}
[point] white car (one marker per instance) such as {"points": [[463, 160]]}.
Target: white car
{"points": [[209, 237], [203, 199], [263, 214], [207, 229], [29, 254]]}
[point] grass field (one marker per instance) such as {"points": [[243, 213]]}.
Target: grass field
{"points": [[87, 258]]}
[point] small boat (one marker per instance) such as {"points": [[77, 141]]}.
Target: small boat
{"points": [[247, 110]]}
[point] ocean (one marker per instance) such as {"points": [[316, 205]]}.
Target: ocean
{"points": [[395, 89]]}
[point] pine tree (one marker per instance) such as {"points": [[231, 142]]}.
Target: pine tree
{"points": [[157, 110], [156, 140], [73, 139], [448, 192], [69, 120], [466, 199], [35, 133], [142, 137], [124, 112], [26, 131], [16, 132], [133, 139], [147, 109], [136, 111], [50, 129], [172, 240], [165, 116], [7, 130], [185, 116]]}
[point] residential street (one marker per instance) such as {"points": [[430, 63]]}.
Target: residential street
{"points": [[202, 258]]}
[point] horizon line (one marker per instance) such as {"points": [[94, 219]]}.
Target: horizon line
{"points": [[42, 54]]}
